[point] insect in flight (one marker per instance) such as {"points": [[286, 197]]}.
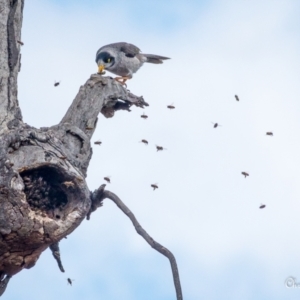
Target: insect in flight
{"points": [[236, 97], [160, 148], [154, 186], [107, 178], [171, 106], [144, 116], [245, 174], [144, 141], [216, 124]]}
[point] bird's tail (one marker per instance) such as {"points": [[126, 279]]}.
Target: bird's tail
{"points": [[155, 59]]}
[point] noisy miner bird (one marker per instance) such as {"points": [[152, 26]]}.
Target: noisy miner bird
{"points": [[124, 59]]}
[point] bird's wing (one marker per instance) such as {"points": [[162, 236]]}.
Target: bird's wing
{"points": [[129, 49]]}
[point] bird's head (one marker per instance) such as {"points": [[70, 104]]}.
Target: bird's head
{"points": [[104, 60]]}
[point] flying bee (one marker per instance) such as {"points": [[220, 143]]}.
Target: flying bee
{"points": [[98, 143], [70, 281], [21, 43], [236, 97], [144, 116], [107, 178], [269, 133], [144, 141], [262, 206], [160, 148], [56, 83], [171, 106], [154, 186], [245, 174], [216, 124]]}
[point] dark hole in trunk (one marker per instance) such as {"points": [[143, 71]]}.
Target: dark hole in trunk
{"points": [[43, 188]]}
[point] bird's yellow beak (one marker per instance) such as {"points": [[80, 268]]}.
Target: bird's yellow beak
{"points": [[100, 68]]}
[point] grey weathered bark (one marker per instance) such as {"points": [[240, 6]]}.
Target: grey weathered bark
{"points": [[43, 193]]}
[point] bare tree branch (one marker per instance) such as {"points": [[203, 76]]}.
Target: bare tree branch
{"points": [[56, 254], [99, 94], [100, 194], [10, 32], [43, 192], [3, 283]]}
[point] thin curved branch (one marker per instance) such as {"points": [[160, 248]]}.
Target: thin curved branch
{"points": [[100, 194]]}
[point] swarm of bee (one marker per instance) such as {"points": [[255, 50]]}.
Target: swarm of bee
{"points": [[43, 191]]}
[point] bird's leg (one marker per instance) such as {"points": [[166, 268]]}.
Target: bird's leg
{"points": [[122, 79]]}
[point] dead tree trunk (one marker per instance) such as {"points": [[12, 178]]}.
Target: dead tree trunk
{"points": [[43, 192]]}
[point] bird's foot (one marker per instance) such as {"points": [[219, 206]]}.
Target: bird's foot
{"points": [[122, 79]]}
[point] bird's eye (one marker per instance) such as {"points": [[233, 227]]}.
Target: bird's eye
{"points": [[108, 60]]}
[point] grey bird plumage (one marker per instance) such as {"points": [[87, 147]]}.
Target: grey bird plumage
{"points": [[124, 59]]}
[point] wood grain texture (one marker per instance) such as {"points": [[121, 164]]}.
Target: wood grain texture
{"points": [[43, 192]]}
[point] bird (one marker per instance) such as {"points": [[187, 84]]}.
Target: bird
{"points": [[124, 59]]}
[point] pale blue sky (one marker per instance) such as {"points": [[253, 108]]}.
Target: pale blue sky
{"points": [[204, 211]]}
